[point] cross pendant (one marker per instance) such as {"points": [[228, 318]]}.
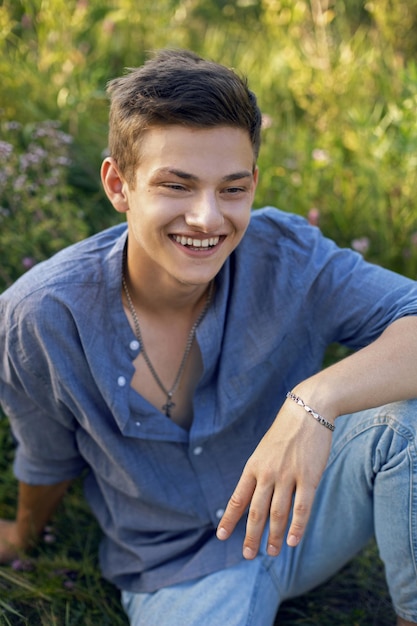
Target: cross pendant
{"points": [[168, 406]]}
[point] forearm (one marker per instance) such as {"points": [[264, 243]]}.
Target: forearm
{"points": [[36, 504], [285, 469], [383, 372]]}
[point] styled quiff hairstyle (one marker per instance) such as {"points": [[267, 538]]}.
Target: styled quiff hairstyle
{"points": [[176, 87]]}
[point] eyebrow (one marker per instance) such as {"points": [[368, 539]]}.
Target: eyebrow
{"points": [[188, 176]]}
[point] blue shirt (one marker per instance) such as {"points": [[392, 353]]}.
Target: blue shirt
{"points": [[157, 490]]}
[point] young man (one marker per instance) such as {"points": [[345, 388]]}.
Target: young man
{"points": [[160, 355]]}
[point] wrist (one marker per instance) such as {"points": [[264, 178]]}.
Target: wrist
{"points": [[308, 409], [320, 396]]}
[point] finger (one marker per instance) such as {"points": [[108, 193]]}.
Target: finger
{"points": [[236, 506], [257, 516], [278, 521], [303, 503]]}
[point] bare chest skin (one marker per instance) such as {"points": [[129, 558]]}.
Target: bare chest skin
{"points": [[165, 344]]}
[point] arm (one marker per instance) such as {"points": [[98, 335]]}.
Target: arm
{"points": [[291, 457], [36, 504]]}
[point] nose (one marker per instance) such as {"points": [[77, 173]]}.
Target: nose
{"points": [[205, 213]]}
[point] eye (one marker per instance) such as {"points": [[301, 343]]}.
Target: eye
{"points": [[234, 190], [174, 186]]}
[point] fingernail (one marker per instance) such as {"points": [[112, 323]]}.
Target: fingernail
{"points": [[293, 541], [248, 553], [222, 533], [272, 550]]}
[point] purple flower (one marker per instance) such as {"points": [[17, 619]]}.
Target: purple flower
{"points": [[22, 565], [69, 577], [320, 156], [5, 150], [20, 182], [313, 216], [28, 262], [69, 584], [63, 160], [26, 21], [361, 244], [13, 125]]}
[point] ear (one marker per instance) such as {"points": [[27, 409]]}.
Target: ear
{"points": [[114, 185]]}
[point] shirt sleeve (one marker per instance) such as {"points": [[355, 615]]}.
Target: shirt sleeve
{"points": [[321, 293], [44, 431], [357, 298]]}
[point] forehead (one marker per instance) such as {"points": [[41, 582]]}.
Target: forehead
{"points": [[195, 149]]}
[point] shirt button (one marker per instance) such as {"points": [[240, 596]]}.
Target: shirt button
{"points": [[134, 344], [138, 423], [121, 381], [197, 450], [219, 513]]}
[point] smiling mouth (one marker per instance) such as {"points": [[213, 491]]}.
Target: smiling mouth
{"points": [[199, 244]]}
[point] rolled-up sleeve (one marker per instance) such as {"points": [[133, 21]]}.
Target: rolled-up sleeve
{"points": [[43, 429]]}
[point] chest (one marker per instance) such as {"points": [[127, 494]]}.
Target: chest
{"points": [[167, 376]]}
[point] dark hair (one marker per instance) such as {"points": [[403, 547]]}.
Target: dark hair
{"points": [[176, 87]]}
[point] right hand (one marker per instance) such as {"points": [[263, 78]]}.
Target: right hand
{"points": [[10, 543]]}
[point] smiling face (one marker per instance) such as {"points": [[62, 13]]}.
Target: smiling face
{"points": [[190, 204]]}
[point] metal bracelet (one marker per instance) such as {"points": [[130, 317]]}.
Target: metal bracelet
{"points": [[309, 410]]}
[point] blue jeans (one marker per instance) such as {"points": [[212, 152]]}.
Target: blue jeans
{"points": [[369, 488]]}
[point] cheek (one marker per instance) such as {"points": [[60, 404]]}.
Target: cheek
{"points": [[242, 220], [240, 224]]}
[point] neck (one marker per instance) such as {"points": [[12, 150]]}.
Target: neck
{"points": [[158, 294]]}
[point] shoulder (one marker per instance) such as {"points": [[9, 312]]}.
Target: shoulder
{"points": [[74, 264], [283, 250], [273, 233], [270, 216], [269, 221], [80, 268]]}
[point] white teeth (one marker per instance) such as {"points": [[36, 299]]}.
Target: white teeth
{"points": [[196, 243]]}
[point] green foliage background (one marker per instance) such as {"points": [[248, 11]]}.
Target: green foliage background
{"points": [[336, 80], [337, 83]]}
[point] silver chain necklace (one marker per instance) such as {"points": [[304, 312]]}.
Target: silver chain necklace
{"points": [[169, 404]]}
